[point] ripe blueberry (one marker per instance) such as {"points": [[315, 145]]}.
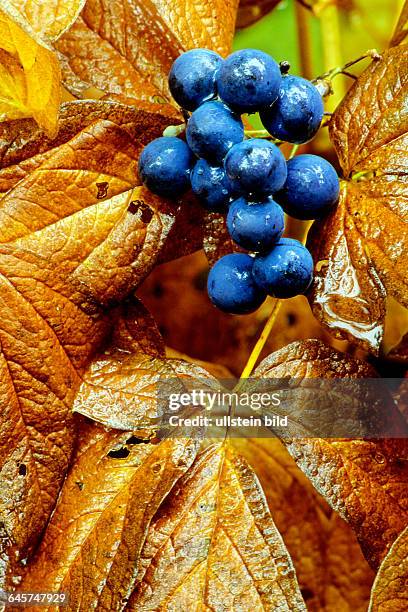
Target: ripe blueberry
{"points": [[255, 226], [164, 166], [311, 187], [192, 78], [211, 185], [212, 130], [297, 113], [286, 271], [256, 166], [231, 286], [249, 80]]}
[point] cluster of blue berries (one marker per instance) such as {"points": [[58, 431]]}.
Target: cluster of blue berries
{"points": [[249, 179]]}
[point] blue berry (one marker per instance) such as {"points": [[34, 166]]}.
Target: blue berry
{"points": [[212, 130], [256, 166], [311, 188], [255, 226], [211, 185], [249, 80], [192, 78], [164, 166], [231, 286], [297, 113], [286, 271]]}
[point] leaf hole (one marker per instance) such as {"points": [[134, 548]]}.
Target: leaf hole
{"points": [[22, 469], [102, 190], [136, 440], [157, 468], [379, 458], [119, 453]]}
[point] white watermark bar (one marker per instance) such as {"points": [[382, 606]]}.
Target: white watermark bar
{"points": [[285, 408]]}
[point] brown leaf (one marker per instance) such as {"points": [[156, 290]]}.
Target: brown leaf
{"points": [[127, 47], [73, 234], [92, 543], [359, 249], [217, 241], [213, 545], [389, 592], [250, 11], [366, 481], [24, 146], [120, 387], [332, 572]]}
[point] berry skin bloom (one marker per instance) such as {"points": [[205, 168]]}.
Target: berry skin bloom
{"points": [[211, 185], [286, 271], [231, 286], [249, 80], [256, 166], [297, 113], [255, 226], [164, 166], [192, 78], [212, 130], [311, 188]]}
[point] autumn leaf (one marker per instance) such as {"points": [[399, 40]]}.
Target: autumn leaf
{"points": [[359, 248], [92, 543], [47, 19], [120, 388], [330, 567], [217, 241], [126, 47], [75, 235], [389, 592], [365, 481], [213, 544], [250, 11], [29, 76]]}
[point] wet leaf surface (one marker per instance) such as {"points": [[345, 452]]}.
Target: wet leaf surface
{"points": [[359, 248], [213, 544]]}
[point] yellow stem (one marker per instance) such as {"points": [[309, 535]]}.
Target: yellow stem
{"points": [[304, 40], [256, 351], [332, 55]]}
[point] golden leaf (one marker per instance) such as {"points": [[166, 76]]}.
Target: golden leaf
{"points": [[389, 592], [365, 481], [213, 545], [126, 47], [29, 76], [362, 242], [92, 543]]}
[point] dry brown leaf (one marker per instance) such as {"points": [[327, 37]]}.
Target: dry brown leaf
{"points": [[250, 11], [217, 241], [92, 543], [359, 249], [366, 481], [213, 545], [332, 572], [48, 18], [73, 234], [120, 387], [126, 47], [389, 592]]}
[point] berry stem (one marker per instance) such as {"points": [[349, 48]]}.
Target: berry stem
{"points": [[304, 40], [330, 29], [293, 151], [174, 130], [256, 351]]}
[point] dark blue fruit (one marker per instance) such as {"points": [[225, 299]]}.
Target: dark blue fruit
{"points": [[249, 80], [212, 130], [192, 78], [164, 166], [256, 166], [311, 187], [297, 113], [231, 286], [286, 271], [211, 185], [255, 226]]}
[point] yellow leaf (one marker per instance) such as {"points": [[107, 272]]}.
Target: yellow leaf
{"points": [[29, 77], [48, 18]]}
